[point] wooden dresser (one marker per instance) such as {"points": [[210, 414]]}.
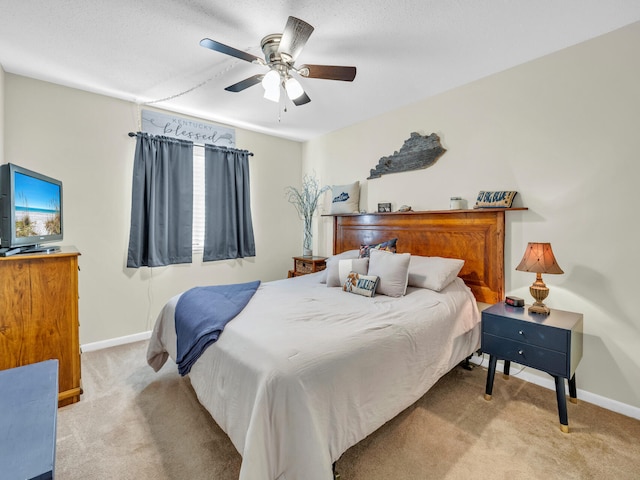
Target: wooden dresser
{"points": [[39, 315]]}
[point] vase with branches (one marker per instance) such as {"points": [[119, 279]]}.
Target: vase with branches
{"points": [[305, 201]]}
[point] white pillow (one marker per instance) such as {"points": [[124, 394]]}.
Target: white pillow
{"points": [[345, 198], [433, 273], [356, 265], [333, 279], [393, 270]]}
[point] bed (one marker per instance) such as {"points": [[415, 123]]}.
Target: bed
{"points": [[305, 371]]}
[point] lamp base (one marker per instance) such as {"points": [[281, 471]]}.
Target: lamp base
{"points": [[539, 292], [539, 308]]}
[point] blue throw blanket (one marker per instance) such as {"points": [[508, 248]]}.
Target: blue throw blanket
{"points": [[201, 315]]}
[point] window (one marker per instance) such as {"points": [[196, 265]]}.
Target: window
{"points": [[198, 199], [220, 223]]}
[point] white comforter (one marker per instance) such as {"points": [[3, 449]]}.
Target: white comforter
{"points": [[304, 371]]}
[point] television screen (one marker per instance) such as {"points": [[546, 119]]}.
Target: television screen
{"points": [[37, 206], [31, 210]]}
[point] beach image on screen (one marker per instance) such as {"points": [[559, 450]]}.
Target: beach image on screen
{"points": [[37, 207]]}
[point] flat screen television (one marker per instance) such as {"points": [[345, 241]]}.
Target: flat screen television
{"points": [[30, 209]]}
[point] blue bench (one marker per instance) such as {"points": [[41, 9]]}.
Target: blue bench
{"points": [[28, 413]]}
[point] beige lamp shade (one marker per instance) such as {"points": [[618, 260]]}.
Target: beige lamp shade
{"points": [[538, 258]]}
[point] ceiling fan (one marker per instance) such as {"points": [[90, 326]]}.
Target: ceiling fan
{"points": [[280, 53]]}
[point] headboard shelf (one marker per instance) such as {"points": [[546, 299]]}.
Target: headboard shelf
{"points": [[439, 212], [475, 236]]}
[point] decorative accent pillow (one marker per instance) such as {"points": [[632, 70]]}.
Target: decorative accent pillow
{"points": [[345, 198], [332, 279], [389, 246], [393, 270], [433, 273], [502, 199], [364, 285], [356, 265], [339, 269]]}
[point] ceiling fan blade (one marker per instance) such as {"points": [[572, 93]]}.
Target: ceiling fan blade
{"points": [[234, 52], [246, 83], [294, 38], [301, 100], [328, 72]]}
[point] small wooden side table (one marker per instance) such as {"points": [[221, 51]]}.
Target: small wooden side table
{"points": [[305, 264], [550, 343]]}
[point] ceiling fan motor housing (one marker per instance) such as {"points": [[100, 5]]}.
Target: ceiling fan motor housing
{"points": [[269, 45]]}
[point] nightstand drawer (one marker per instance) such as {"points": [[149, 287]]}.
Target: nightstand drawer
{"points": [[526, 332], [307, 264], [550, 361], [303, 266]]}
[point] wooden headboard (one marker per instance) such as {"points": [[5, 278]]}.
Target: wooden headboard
{"points": [[475, 236]]}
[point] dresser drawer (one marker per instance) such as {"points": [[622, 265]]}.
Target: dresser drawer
{"points": [[527, 332], [550, 361]]}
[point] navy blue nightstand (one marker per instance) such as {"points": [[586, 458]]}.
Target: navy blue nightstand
{"points": [[550, 343]]}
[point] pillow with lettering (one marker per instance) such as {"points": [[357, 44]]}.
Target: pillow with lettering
{"points": [[360, 284]]}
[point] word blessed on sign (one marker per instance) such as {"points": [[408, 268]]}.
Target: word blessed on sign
{"points": [[157, 123]]}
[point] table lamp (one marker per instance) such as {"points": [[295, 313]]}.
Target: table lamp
{"points": [[539, 258]]}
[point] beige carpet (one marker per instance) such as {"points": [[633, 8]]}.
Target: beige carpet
{"points": [[133, 423]]}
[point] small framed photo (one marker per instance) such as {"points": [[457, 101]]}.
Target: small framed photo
{"points": [[384, 207]]}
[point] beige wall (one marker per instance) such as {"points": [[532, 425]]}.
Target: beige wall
{"points": [[564, 132], [2, 75], [81, 138]]}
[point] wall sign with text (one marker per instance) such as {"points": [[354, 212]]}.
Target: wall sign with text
{"points": [[182, 128]]}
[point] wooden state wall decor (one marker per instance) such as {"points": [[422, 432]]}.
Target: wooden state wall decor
{"points": [[418, 151]]}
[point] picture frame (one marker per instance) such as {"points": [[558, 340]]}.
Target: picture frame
{"points": [[384, 207]]}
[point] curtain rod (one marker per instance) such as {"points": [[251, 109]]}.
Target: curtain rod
{"points": [[134, 134]]}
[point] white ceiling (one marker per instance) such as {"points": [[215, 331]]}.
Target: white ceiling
{"points": [[405, 50]]}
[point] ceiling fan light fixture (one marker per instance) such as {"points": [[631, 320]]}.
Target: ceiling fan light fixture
{"points": [[271, 80], [293, 87], [271, 84], [272, 94]]}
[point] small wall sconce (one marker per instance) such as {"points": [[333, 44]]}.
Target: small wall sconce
{"points": [[539, 258]]}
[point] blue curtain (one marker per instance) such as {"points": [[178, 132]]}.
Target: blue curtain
{"points": [[228, 229], [161, 202]]}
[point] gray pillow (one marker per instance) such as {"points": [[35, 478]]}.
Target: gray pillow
{"points": [[333, 278], [433, 273], [341, 269], [392, 270]]}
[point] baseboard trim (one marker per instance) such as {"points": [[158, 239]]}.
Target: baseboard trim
{"points": [[604, 402], [114, 342]]}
